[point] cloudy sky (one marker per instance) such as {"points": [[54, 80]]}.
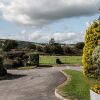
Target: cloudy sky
{"points": [[40, 20]]}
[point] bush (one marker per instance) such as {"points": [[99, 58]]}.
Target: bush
{"points": [[96, 89], [96, 61], [32, 46], [1, 61], [79, 45], [8, 63], [15, 59], [91, 41], [9, 44], [11, 64], [39, 48], [34, 59], [12, 55], [3, 71]]}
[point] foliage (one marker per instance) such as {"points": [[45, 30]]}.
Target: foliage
{"points": [[79, 45], [52, 41], [32, 46], [58, 49], [0, 44], [34, 59], [1, 61], [47, 49], [67, 50], [96, 61], [91, 41], [96, 88], [3, 71], [12, 55], [39, 48], [9, 44], [15, 59], [10, 63]]}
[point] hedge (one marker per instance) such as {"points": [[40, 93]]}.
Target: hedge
{"points": [[92, 38], [34, 59]]}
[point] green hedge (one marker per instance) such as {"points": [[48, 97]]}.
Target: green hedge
{"points": [[34, 59], [92, 37]]}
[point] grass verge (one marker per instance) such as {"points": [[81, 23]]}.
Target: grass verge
{"points": [[27, 67], [78, 87]]}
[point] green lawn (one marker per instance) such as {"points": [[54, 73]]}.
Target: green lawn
{"points": [[72, 60], [78, 87]]}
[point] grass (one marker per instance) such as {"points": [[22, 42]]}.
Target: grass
{"points": [[78, 87], [26, 67], [51, 60]]}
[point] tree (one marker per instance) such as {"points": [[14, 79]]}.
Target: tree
{"points": [[52, 41], [67, 50], [39, 48], [47, 49], [9, 44], [92, 39], [80, 45], [0, 44], [58, 49], [32, 46]]}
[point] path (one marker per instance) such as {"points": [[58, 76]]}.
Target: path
{"points": [[34, 84]]}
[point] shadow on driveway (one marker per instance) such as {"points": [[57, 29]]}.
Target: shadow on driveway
{"points": [[11, 76]]}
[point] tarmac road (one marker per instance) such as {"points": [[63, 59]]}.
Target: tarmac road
{"points": [[33, 84]]}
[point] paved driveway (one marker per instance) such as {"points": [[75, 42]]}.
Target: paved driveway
{"points": [[34, 84]]}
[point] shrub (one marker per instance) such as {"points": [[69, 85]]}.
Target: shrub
{"points": [[11, 64], [79, 45], [12, 55], [34, 59], [96, 88], [1, 61], [9, 44], [31, 46], [15, 59], [91, 41], [8, 63], [96, 61], [3, 71], [39, 48]]}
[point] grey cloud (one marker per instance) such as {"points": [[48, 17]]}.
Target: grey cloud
{"points": [[38, 13]]}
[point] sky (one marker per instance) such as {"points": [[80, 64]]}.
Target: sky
{"points": [[41, 20]]}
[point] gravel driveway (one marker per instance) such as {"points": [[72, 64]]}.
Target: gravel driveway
{"points": [[33, 84]]}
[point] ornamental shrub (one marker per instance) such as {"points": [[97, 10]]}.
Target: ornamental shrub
{"points": [[92, 37], [34, 59], [96, 88], [96, 61]]}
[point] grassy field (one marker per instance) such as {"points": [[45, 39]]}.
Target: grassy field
{"points": [[51, 60], [79, 86]]}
